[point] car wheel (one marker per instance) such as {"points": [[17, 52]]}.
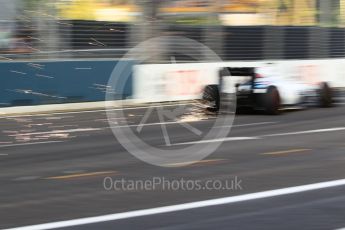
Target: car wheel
{"points": [[325, 96], [212, 98], [272, 101]]}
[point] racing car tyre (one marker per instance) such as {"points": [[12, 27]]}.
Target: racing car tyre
{"points": [[272, 101], [325, 95], [211, 95]]}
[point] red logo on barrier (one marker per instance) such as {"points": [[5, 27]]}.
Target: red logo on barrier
{"points": [[310, 74], [184, 82]]}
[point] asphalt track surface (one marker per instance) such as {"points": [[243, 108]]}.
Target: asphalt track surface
{"points": [[53, 168]]}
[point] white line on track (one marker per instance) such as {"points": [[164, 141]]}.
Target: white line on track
{"points": [[150, 124], [247, 125], [186, 206], [307, 132], [88, 111], [59, 131], [227, 139], [129, 126], [179, 122], [33, 143]]}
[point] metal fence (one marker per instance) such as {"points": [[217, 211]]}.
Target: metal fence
{"points": [[38, 33]]}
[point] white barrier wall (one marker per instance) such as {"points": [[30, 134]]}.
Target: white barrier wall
{"points": [[174, 82]]}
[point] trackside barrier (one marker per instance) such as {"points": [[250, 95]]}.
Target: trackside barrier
{"points": [[36, 83], [174, 82]]}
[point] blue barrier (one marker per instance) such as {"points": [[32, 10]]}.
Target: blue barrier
{"points": [[34, 83]]}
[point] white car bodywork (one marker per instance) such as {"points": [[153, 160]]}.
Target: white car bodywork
{"points": [[291, 88]]}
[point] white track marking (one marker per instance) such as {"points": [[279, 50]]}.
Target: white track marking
{"points": [[33, 143], [315, 131], [307, 132], [171, 123], [59, 131], [88, 111], [247, 125], [151, 124], [179, 122], [227, 139], [186, 206]]}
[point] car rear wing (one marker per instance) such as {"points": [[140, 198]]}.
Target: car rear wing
{"points": [[238, 72], [248, 72], [229, 81]]}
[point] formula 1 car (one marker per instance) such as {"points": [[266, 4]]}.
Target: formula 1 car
{"points": [[260, 89]]}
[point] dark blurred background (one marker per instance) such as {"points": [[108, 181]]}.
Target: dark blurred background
{"points": [[235, 29]]}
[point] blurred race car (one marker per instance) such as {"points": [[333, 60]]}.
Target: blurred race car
{"points": [[261, 89]]}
